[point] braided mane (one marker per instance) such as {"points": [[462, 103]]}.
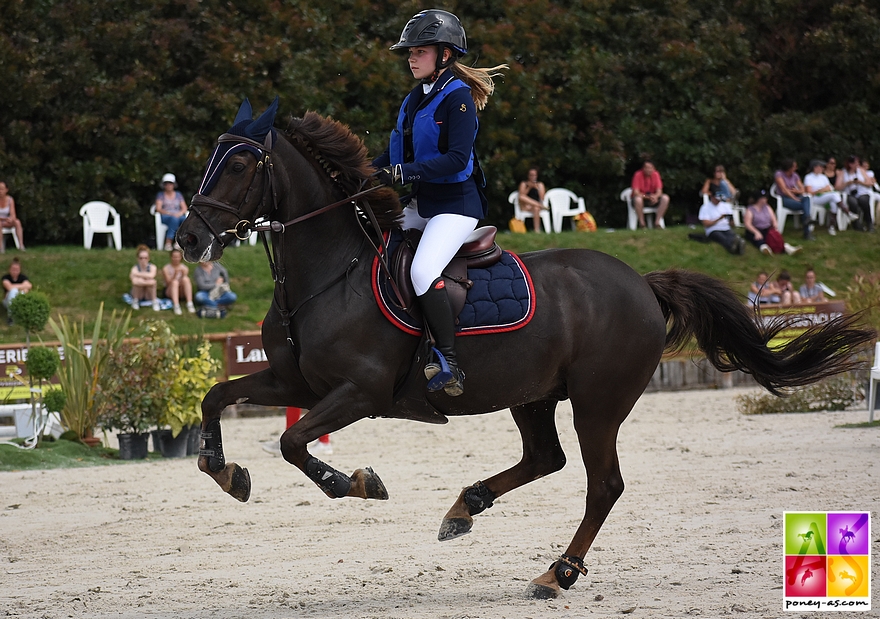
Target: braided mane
{"points": [[343, 156]]}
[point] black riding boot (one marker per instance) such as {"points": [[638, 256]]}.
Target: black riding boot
{"points": [[438, 315]]}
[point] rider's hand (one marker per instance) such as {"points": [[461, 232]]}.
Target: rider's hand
{"points": [[389, 175]]}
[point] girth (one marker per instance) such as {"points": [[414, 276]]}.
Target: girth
{"points": [[479, 251]]}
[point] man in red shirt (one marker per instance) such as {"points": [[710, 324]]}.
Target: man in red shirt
{"points": [[647, 189]]}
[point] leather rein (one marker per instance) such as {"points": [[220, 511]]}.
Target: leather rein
{"points": [[245, 227]]}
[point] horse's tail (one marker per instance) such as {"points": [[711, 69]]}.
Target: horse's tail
{"points": [[727, 332]]}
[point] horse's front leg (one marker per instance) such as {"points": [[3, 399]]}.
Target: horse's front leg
{"points": [[340, 408], [261, 388]]}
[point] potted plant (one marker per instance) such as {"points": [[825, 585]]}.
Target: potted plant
{"points": [[194, 377], [82, 367], [133, 389], [42, 363]]}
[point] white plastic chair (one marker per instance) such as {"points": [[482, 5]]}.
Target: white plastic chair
{"points": [[14, 234], [101, 218], [560, 202], [875, 377], [632, 218], [782, 213], [520, 214]]}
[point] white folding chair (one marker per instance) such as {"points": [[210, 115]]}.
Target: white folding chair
{"points": [[632, 218], [563, 203], [875, 377], [520, 214], [782, 213], [14, 234], [101, 218]]}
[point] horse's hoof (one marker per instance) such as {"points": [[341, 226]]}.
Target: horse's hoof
{"points": [[541, 592], [373, 486], [451, 528], [240, 486]]}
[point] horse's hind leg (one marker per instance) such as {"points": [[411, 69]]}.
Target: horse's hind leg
{"points": [[542, 455], [597, 427]]}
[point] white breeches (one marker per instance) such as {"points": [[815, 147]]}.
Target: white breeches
{"points": [[442, 236], [833, 198]]}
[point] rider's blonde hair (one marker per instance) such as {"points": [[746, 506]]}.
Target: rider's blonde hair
{"points": [[480, 80]]}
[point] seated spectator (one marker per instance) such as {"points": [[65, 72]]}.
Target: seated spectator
{"points": [[176, 276], [762, 229], [811, 292], [647, 190], [763, 291], [866, 169], [171, 207], [212, 285], [788, 295], [720, 184], [822, 193], [143, 280], [857, 189], [14, 283], [8, 218], [531, 198], [715, 216], [794, 196]]}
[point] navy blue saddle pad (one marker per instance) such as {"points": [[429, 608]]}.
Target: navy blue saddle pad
{"points": [[501, 299]]}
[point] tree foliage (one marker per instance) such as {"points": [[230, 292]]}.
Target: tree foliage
{"points": [[102, 97]]}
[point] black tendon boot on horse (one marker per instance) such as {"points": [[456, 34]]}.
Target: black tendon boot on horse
{"points": [[438, 315]]}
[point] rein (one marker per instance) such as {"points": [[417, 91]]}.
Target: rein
{"points": [[245, 227]]}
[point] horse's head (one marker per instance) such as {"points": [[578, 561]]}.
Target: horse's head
{"points": [[236, 189]]}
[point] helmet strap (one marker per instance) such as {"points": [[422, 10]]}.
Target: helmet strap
{"points": [[440, 63]]}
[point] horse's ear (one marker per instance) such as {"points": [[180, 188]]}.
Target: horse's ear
{"points": [[264, 122], [244, 112]]}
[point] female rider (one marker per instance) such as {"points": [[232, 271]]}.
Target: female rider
{"points": [[432, 147]]}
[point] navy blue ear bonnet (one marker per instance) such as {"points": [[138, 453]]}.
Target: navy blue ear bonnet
{"points": [[245, 126]]}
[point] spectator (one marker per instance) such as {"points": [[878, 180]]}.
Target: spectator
{"points": [[869, 173], [171, 207], [8, 218], [822, 193], [763, 291], [794, 197], [762, 229], [143, 280], [531, 197], [720, 184], [811, 292], [788, 295], [857, 189], [176, 276], [715, 216], [14, 283], [647, 189], [831, 172], [212, 285]]}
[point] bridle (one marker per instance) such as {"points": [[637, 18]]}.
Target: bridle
{"points": [[245, 227]]}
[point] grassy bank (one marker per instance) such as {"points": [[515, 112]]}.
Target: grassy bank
{"points": [[78, 280]]}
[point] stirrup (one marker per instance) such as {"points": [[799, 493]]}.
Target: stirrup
{"points": [[445, 379]]}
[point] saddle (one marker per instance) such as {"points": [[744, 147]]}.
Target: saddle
{"points": [[478, 251]]}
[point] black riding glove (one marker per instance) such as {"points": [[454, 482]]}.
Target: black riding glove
{"points": [[389, 175]]}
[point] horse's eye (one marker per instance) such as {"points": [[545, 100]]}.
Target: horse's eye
{"points": [[238, 166]]}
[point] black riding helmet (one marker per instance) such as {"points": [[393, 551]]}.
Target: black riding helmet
{"points": [[434, 27]]}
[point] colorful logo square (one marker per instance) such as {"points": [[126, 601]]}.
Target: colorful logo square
{"points": [[848, 533], [804, 533], [805, 576], [847, 576]]}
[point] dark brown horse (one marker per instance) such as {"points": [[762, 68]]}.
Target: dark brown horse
{"points": [[596, 337]]}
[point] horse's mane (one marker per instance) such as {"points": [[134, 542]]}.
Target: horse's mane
{"points": [[343, 156]]}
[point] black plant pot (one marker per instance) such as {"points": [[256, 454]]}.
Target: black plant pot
{"points": [[157, 441], [132, 446], [174, 447], [195, 440]]}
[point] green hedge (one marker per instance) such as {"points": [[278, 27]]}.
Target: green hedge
{"points": [[101, 97]]}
